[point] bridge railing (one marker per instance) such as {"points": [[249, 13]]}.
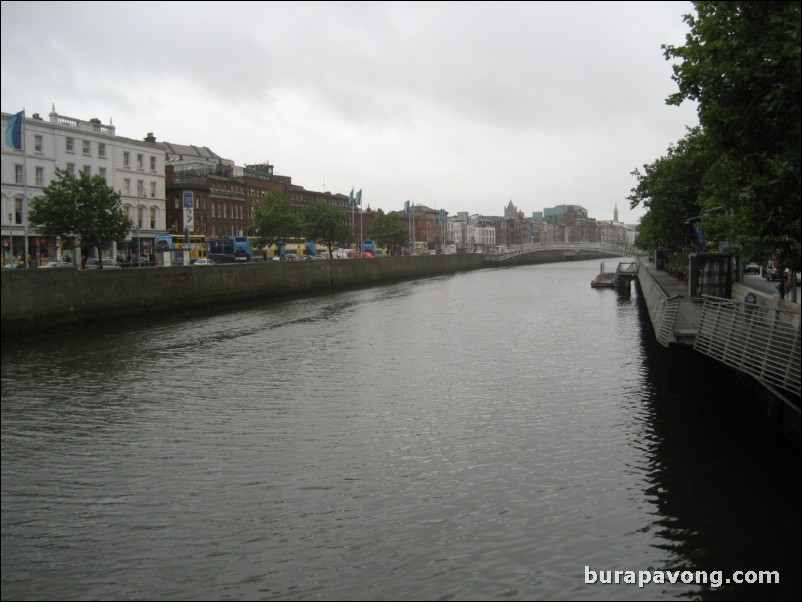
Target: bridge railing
{"points": [[576, 247], [761, 341]]}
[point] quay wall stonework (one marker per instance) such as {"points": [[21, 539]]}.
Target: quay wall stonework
{"points": [[37, 301]]}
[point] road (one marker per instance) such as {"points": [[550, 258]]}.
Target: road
{"points": [[759, 283]]}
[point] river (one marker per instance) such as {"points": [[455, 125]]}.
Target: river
{"points": [[497, 434]]}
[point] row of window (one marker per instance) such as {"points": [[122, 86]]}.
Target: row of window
{"points": [[218, 209], [136, 215], [86, 148], [39, 180]]}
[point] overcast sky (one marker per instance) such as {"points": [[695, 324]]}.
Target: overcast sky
{"points": [[462, 106]]}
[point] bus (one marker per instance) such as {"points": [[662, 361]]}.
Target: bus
{"points": [[299, 246], [241, 247], [178, 243]]}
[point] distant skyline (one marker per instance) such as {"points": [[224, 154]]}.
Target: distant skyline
{"points": [[461, 106]]}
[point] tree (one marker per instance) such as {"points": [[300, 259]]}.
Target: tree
{"points": [[388, 229], [741, 62], [273, 218], [327, 224], [673, 189], [84, 207]]}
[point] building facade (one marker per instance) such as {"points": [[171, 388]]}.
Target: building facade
{"points": [[133, 168]]}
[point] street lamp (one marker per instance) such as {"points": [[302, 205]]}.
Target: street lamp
{"points": [[141, 193]]}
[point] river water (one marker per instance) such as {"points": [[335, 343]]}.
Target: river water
{"points": [[498, 434]]}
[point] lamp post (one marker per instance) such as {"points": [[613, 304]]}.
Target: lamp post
{"points": [[141, 192], [11, 235]]}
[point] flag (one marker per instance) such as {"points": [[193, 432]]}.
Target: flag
{"points": [[358, 198], [406, 208], [442, 215], [351, 198], [14, 130]]}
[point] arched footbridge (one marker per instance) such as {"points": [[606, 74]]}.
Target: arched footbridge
{"points": [[566, 249]]}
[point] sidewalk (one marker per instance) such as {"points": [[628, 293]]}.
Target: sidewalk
{"points": [[670, 285], [674, 287]]}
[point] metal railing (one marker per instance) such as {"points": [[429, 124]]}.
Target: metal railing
{"points": [[763, 342], [575, 247], [673, 317]]}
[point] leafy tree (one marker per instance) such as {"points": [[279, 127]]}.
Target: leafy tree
{"points": [[274, 220], [388, 229], [327, 224], [741, 63], [672, 189], [84, 207]]}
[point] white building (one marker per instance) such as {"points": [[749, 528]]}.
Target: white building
{"points": [[134, 168]]}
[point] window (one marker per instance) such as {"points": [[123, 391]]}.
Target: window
{"points": [[71, 169], [140, 188], [153, 164], [101, 149], [40, 176], [88, 170], [153, 218], [87, 147], [177, 202], [126, 159], [140, 162], [152, 189], [70, 145], [18, 173], [18, 211], [102, 173], [127, 186], [37, 143]]}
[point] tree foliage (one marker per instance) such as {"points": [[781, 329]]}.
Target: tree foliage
{"points": [[84, 207], [741, 63], [388, 230], [327, 224], [274, 220], [672, 189]]}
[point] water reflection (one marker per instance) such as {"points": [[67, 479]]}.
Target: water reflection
{"points": [[477, 436], [724, 481]]}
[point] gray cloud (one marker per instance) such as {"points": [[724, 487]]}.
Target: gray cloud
{"points": [[456, 105]]}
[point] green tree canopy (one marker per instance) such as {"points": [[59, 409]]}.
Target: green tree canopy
{"points": [[274, 220], [84, 207], [389, 230], [672, 189], [327, 224], [741, 63]]}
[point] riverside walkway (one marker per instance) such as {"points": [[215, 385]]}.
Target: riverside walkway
{"points": [[751, 332]]}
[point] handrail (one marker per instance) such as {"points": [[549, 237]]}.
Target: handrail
{"points": [[761, 341], [604, 248]]}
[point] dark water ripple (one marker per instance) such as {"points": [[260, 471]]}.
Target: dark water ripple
{"points": [[480, 436]]}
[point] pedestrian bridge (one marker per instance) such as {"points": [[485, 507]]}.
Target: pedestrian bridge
{"points": [[570, 249]]}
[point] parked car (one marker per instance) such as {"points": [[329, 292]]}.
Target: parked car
{"points": [[203, 261], [770, 273], [94, 264], [66, 265], [752, 267]]}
